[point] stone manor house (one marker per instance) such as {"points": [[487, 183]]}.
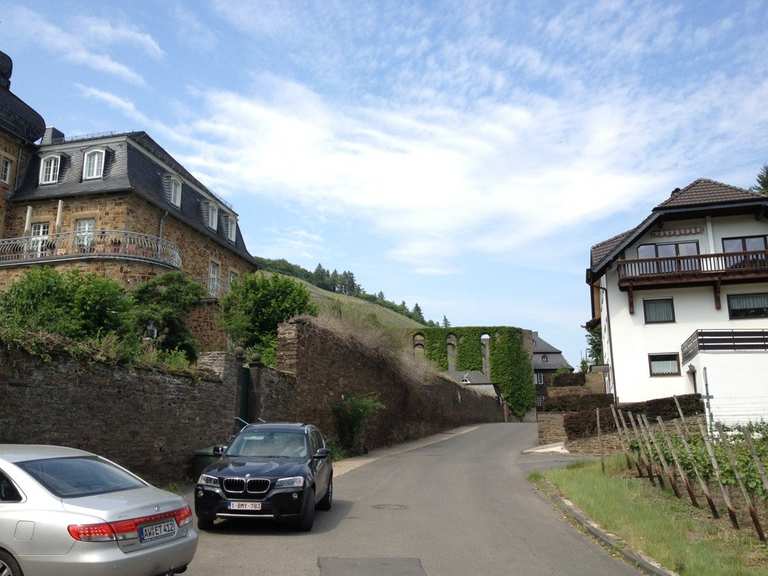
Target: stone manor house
{"points": [[115, 204]]}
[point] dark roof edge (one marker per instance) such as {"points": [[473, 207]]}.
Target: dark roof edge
{"points": [[656, 213]]}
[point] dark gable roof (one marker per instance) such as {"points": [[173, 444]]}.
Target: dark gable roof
{"points": [[127, 168], [704, 192], [541, 346], [701, 193]]}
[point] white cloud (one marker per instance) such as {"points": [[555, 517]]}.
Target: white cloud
{"points": [[127, 107], [26, 24], [102, 32]]}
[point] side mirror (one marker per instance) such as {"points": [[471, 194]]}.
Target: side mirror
{"points": [[322, 453], [219, 450]]}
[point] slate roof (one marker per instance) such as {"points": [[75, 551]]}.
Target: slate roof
{"points": [[127, 168], [475, 377], [702, 192], [541, 346], [16, 117], [554, 362]]}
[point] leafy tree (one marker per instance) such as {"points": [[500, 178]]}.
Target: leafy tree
{"points": [[446, 323], [584, 366], [595, 345], [380, 296], [417, 314], [334, 282], [255, 306], [165, 301], [762, 181]]}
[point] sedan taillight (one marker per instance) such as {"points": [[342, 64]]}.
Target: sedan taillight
{"points": [[125, 529]]}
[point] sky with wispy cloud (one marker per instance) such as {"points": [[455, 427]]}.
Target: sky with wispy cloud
{"points": [[462, 154]]}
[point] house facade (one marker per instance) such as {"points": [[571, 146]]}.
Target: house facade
{"points": [[547, 360], [682, 301], [115, 204]]}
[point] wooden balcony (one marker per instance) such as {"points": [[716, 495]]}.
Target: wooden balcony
{"points": [[98, 244], [700, 269], [724, 341]]}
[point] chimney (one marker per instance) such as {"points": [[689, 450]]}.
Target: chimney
{"points": [[52, 136], [675, 191]]}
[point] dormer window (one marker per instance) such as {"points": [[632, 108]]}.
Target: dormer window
{"points": [[175, 192], [93, 166], [213, 216], [230, 224], [49, 170]]}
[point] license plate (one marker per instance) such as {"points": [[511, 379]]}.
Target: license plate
{"points": [[159, 530], [252, 506]]}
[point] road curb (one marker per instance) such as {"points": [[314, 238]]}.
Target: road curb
{"points": [[607, 539]]}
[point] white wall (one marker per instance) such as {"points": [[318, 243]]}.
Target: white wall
{"points": [[738, 384]]}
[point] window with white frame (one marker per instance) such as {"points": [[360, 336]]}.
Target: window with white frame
{"points": [[231, 227], [233, 276], [213, 216], [175, 191], [39, 238], [213, 279], [93, 166], [49, 170], [84, 231], [5, 170]]}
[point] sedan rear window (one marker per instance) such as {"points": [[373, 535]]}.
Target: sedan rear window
{"points": [[79, 476]]}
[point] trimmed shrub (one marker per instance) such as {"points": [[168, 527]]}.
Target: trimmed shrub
{"points": [[352, 414], [577, 403], [569, 379]]}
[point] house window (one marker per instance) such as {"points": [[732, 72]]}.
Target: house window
{"points": [[5, 170], [49, 170], [213, 216], [176, 192], [659, 311], [213, 279], [545, 358], [93, 166], [664, 364], [539, 378], [233, 276], [39, 240], [84, 230], [747, 306], [735, 248], [231, 225]]}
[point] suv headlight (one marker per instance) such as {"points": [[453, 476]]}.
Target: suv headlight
{"points": [[207, 480], [292, 482]]}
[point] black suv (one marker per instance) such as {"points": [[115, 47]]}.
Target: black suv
{"points": [[281, 471]]}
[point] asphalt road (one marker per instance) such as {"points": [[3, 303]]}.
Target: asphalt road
{"points": [[460, 507]]}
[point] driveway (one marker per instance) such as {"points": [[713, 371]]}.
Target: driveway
{"points": [[459, 507]]}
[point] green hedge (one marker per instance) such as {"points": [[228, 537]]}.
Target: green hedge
{"points": [[511, 368]]}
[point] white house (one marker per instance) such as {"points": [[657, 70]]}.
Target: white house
{"points": [[682, 301]]}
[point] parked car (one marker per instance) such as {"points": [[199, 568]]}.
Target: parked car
{"points": [[66, 512], [280, 471]]}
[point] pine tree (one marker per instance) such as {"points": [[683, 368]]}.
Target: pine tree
{"points": [[334, 282], [417, 313], [380, 296], [446, 323], [762, 181]]}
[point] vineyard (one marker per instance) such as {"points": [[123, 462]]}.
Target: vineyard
{"points": [[717, 467]]}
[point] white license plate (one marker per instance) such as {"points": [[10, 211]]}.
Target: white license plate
{"points": [[159, 530], [252, 506]]}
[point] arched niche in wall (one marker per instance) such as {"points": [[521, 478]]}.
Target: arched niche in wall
{"points": [[485, 343], [451, 342], [418, 347]]}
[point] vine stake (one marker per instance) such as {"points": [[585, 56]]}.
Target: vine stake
{"points": [[641, 444], [680, 471], [600, 440], [716, 468], [638, 460], [621, 438], [755, 457], [734, 465], [702, 483], [662, 459]]}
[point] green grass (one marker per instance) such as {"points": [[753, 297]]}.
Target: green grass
{"points": [[671, 531]]}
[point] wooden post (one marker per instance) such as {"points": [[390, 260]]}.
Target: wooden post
{"points": [[652, 448], [702, 483], [664, 464], [716, 468], [639, 459], [680, 471], [648, 450], [620, 433], [643, 454], [755, 458], [600, 440], [680, 411], [735, 467]]}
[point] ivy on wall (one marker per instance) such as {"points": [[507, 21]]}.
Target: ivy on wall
{"points": [[511, 368]]}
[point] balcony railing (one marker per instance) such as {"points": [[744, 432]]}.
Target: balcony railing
{"points": [[692, 268], [109, 244], [724, 341]]}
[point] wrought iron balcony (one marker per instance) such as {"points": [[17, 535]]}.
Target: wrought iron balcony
{"points": [[98, 244], [724, 341], [696, 269]]}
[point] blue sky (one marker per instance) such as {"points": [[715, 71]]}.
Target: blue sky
{"points": [[462, 154]]}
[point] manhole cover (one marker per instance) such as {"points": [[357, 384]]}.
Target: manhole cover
{"points": [[370, 567], [390, 507]]}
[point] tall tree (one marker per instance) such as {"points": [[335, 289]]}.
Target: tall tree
{"points": [[417, 313], [380, 295], [334, 282], [762, 181], [446, 323]]}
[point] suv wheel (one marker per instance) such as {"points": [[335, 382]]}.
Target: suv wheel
{"points": [[205, 523], [327, 501], [8, 566], [307, 518]]}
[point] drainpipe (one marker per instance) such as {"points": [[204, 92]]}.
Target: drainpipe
{"points": [[610, 344]]}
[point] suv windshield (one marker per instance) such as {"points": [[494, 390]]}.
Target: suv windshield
{"points": [[79, 476], [269, 444]]}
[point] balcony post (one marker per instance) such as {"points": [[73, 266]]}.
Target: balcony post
{"points": [[716, 293], [631, 299]]}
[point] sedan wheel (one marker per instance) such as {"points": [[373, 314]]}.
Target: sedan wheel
{"points": [[8, 566]]}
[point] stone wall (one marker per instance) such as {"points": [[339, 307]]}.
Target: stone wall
{"points": [[10, 149], [319, 367], [147, 420], [551, 429], [203, 323]]}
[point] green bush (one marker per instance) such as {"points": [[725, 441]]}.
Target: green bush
{"points": [[257, 303], [352, 414]]}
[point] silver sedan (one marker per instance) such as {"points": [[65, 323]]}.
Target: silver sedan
{"points": [[66, 512]]}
